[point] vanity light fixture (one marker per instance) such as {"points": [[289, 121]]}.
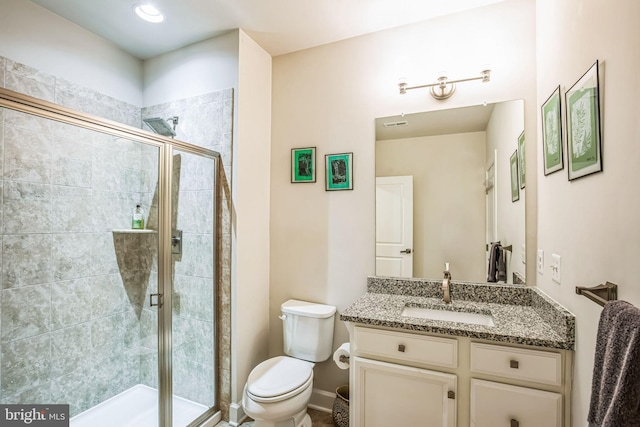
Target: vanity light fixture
{"points": [[444, 87], [149, 13]]}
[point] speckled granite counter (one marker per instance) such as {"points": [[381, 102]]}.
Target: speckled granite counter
{"points": [[522, 315]]}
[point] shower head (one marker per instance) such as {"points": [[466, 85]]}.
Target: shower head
{"points": [[161, 126]]}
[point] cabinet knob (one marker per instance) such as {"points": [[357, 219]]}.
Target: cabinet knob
{"points": [[514, 365], [401, 348], [514, 423]]}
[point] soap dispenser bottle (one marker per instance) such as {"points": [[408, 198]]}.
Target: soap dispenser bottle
{"points": [[137, 220]]}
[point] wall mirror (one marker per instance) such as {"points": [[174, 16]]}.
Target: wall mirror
{"points": [[445, 191]]}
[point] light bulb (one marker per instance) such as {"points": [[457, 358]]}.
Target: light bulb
{"points": [[149, 13]]}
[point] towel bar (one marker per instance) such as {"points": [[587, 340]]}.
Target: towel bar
{"points": [[600, 294], [506, 248]]}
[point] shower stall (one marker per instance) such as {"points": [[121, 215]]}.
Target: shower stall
{"points": [[118, 323]]}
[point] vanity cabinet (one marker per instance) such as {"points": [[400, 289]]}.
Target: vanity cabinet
{"points": [[495, 404], [389, 394], [537, 366], [420, 379], [388, 387], [501, 405]]}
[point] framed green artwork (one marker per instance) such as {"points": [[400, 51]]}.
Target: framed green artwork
{"points": [[515, 188], [552, 133], [303, 165], [339, 171], [583, 125], [521, 161]]}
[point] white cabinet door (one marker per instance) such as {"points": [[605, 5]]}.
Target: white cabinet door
{"points": [[501, 405], [386, 394]]}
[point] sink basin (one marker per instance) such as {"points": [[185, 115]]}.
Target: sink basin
{"points": [[448, 316]]}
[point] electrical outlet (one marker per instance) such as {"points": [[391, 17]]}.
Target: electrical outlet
{"points": [[523, 254], [540, 261], [555, 268]]}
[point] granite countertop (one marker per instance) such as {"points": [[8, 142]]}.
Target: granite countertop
{"points": [[521, 315]]}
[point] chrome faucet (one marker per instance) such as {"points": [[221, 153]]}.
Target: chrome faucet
{"points": [[445, 284]]}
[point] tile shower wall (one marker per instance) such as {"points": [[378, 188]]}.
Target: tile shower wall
{"points": [[204, 121], [70, 301], [30, 81], [69, 330], [72, 324]]}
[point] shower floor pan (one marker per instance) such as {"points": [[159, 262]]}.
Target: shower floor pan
{"points": [[136, 407]]}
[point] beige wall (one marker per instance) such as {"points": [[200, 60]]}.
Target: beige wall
{"points": [[504, 128], [322, 243], [250, 217], [36, 37], [592, 222], [448, 200], [204, 67]]}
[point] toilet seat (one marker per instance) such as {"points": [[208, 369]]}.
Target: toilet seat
{"points": [[279, 378]]}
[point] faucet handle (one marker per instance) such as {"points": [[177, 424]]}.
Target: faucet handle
{"points": [[447, 273]]}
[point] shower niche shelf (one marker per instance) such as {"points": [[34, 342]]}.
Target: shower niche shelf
{"points": [[133, 231]]}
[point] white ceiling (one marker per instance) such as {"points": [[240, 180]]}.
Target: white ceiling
{"points": [[279, 26]]}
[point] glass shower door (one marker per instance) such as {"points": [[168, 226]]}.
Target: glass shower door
{"points": [[75, 323], [116, 322], [193, 247]]}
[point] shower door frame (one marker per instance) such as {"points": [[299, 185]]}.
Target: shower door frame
{"points": [[38, 107], [165, 265]]}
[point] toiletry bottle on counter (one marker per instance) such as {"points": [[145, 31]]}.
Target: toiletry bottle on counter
{"points": [[137, 221]]}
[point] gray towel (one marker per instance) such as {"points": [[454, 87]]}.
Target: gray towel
{"points": [[494, 254], [615, 389], [501, 269]]}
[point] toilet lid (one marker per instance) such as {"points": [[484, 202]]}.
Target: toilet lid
{"points": [[278, 376]]}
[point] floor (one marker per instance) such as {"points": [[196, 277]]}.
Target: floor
{"points": [[318, 419]]}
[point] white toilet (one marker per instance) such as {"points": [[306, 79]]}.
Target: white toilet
{"points": [[278, 390]]}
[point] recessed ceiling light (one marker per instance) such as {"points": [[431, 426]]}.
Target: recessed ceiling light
{"points": [[149, 13]]}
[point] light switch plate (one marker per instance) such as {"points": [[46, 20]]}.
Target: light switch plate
{"points": [[523, 254], [555, 268], [540, 261]]}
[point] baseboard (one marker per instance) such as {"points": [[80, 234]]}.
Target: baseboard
{"points": [[322, 400], [236, 414]]}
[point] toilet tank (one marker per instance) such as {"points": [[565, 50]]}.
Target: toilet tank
{"points": [[307, 329]]}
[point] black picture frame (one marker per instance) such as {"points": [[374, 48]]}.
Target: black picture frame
{"points": [[303, 165], [584, 139], [552, 137]]}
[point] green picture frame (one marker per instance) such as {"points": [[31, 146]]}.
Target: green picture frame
{"points": [[584, 142], [513, 166], [339, 171], [552, 146], [522, 164], [303, 165]]}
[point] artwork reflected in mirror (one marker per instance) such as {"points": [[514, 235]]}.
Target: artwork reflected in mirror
{"points": [[443, 192]]}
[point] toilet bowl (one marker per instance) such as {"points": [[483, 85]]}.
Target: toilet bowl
{"points": [[278, 390]]}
